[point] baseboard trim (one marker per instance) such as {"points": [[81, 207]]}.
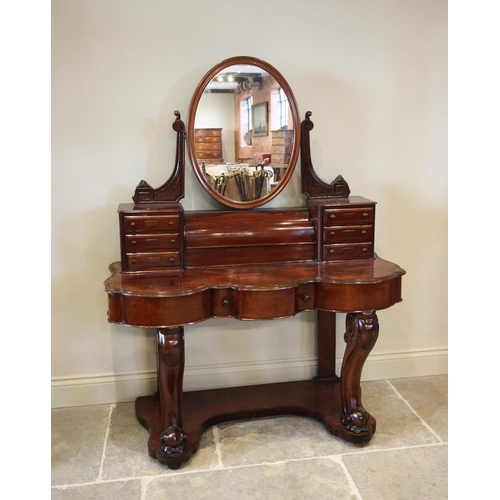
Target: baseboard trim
{"points": [[116, 388]]}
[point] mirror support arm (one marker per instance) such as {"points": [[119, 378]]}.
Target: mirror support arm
{"points": [[173, 189], [312, 185]]}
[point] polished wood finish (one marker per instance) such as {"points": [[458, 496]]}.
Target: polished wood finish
{"points": [[203, 409], [346, 227], [178, 268], [173, 188], [257, 237], [251, 292], [191, 134], [312, 185], [152, 237]]}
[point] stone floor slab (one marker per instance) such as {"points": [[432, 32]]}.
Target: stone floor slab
{"points": [[428, 396], [119, 490], [127, 448], [78, 435], [408, 474], [317, 479]]}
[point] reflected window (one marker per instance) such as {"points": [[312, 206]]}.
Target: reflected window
{"points": [[283, 110], [246, 122], [249, 102]]}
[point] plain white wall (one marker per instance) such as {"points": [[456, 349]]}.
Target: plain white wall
{"points": [[217, 111], [374, 74]]}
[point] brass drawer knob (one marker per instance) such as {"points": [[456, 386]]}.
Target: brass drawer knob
{"points": [[133, 261], [132, 224], [133, 242], [365, 215], [332, 250], [225, 302], [172, 241], [365, 249], [171, 259], [306, 298], [171, 223], [332, 216]]}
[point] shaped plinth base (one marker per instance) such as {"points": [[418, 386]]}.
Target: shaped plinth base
{"points": [[202, 409]]}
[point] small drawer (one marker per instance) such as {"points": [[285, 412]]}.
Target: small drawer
{"points": [[151, 242], [333, 234], [348, 251], [348, 215], [139, 262], [305, 297], [151, 223]]}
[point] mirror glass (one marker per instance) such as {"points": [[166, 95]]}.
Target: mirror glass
{"points": [[243, 132]]}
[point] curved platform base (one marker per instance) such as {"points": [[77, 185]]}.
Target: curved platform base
{"points": [[202, 409]]}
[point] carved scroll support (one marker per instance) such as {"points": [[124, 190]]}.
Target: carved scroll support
{"points": [[170, 354], [312, 185], [361, 334], [173, 189]]}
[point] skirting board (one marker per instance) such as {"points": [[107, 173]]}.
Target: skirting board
{"points": [[117, 388]]}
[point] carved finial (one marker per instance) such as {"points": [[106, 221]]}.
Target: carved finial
{"points": [[173, 189], [307, 123], [312, 185]]}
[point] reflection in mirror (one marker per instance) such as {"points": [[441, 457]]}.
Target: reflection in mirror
{"points": [[243, 131]]}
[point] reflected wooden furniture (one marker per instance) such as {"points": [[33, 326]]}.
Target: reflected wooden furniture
{"points": [[179, 268], [281, 148], [208, 145]]}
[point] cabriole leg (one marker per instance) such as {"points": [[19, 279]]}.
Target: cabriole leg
{"points": [[361, 335]]}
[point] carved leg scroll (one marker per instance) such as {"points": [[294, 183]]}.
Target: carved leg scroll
{"points": [[170, 355], [361, 335]]}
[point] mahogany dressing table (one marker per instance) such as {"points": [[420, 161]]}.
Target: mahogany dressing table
{"points": [[181, 267]]}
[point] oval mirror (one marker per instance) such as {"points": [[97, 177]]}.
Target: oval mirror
{"points": [[243, 132]]}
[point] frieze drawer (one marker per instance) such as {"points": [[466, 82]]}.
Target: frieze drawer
{"points": [[333, 234], [151, 223], [159, 260], [151, 242], [348, 215], [348, 251]]}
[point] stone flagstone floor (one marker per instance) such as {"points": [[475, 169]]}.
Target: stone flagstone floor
{"points": [[101, 452]]}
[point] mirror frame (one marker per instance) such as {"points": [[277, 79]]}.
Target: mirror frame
{"points": [[190, 131]]}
